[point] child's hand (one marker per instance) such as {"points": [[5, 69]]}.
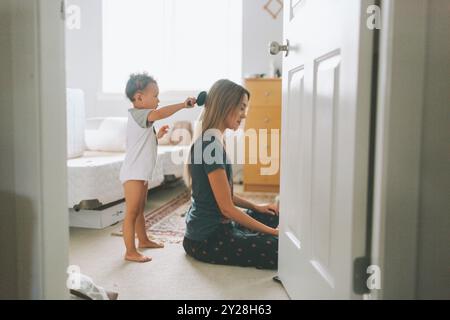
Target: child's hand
{"points": [[190, 102], [162, 132]]}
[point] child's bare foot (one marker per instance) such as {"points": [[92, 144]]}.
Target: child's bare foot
{"points": [[136, 257], [150, 244]]}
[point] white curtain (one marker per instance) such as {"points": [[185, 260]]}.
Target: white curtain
{"points": [[185, 44]]}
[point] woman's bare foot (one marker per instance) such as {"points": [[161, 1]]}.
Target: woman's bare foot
{"points": [[150, 244], [136, 257]]}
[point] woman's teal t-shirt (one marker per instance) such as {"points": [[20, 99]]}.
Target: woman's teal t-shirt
{"points": [[204, 216]]}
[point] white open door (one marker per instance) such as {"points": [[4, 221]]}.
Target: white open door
{"points": [[325, 146], [39, 144]]}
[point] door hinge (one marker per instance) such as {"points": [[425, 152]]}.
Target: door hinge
{"points": [[360, 275]]}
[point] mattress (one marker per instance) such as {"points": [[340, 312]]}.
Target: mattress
{"points": [[173, 158], [95, 175]]}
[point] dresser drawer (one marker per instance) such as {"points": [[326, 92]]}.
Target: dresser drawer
{"points": [[262, 148], [252, 175], [264, 113], [263, 118], [265, 93]]}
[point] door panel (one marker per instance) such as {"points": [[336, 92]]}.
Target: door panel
{"points": [[326, 87], [325, 146], [299, 150]]}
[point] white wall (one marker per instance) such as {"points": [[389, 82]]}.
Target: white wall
{"points": [[434, 213], [84, 54], [259, 29]]}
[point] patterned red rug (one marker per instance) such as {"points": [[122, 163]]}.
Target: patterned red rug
{"points": [[166, 223]]}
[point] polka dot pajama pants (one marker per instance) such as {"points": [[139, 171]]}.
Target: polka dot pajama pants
{"points": [[233, 244]]}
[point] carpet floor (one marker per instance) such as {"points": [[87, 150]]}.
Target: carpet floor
{"points": [[171, 275]]}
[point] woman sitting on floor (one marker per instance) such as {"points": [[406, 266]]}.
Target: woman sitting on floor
{"points": [[217, 231]]}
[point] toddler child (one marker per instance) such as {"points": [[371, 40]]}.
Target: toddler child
{"points": [[140, 158]]}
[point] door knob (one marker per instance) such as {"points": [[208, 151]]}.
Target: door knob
{"points": [[275, 48]]}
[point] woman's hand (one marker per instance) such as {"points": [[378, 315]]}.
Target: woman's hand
{"points": [[190, 102], [271, 209], [162, 132], [277, 231]]}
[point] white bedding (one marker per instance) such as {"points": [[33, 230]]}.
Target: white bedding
{"points": [[96, 176], [170, 156]]}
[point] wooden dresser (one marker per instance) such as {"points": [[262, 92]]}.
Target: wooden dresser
{"points": [[264, 112]]}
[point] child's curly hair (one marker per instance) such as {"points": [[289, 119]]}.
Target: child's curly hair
{"points": [[136, 83]]}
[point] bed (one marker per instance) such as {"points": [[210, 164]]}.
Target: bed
{"points": [[170, 158], [95, 194], [95, 153], [93, 179]]}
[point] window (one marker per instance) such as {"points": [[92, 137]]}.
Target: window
{"points": [[185, 44]]}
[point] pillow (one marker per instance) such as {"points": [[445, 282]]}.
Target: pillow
{"points": [[106, 134], [181, 133], [164, 141]]}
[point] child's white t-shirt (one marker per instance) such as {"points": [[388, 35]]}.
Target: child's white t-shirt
{"points": [[141, 147]]}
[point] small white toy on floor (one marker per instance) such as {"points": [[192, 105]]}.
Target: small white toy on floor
{"points": [[86, 289]]}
